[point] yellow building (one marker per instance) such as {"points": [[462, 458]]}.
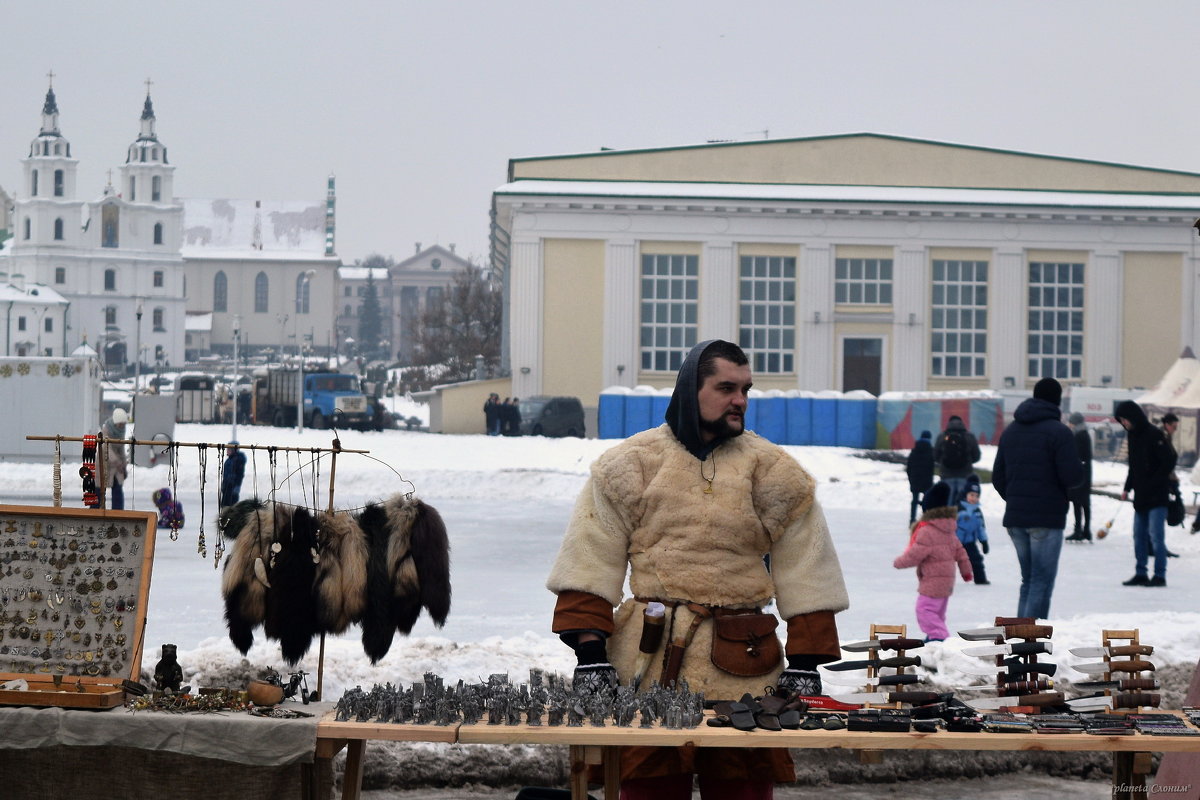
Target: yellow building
{"points": [[846, 262]]}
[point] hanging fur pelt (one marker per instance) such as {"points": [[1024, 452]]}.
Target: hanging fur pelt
{"points": [[299, 574], [408, 569]]}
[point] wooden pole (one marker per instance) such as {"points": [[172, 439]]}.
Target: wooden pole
{"points": [[337, 448]]}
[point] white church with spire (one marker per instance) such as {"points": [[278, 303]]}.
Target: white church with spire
{"points": [[115, 259]]}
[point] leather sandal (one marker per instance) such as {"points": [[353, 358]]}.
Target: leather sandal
{"points": [[789, 719], [720, 721], [834, 723], [812, 723], [741, 717], [767, 720]]}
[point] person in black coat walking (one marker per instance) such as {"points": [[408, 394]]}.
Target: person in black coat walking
{"points": [[919, 468], [232, 473], [1081, 495], [1036, 464], [955, 453], [1151, 478]]}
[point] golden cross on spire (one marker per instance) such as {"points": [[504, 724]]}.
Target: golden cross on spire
{"points": [[50, 75], [148, 83]]}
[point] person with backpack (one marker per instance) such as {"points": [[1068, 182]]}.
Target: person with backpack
{"points": [[955, 454]]}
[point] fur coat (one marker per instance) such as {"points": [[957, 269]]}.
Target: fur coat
{"points": [[935, 550], [645, 510]]}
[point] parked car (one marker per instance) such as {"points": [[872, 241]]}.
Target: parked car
{"points": [[552, 416]]}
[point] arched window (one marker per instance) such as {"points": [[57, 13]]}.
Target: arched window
{"points": [[110, 225], [110, 315], [302, 293], [261, 293], [158, 231], [58, 181], [110, 280], [58, 229], [220, 292], [156, 185], [33, 184], [158, 319], [28, 227], [132, 188]]}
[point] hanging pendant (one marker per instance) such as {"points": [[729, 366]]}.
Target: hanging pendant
{"points": [[709, 489]]}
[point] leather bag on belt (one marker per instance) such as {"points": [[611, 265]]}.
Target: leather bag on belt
{"points": [[746, 644]]}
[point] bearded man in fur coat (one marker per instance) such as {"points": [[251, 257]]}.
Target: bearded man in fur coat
{"points": [[690, 509]]}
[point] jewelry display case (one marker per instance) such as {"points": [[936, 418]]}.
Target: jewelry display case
{"points": [[73, 590]]}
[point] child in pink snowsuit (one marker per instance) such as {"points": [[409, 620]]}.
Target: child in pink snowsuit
{"points": [[934, 549]]}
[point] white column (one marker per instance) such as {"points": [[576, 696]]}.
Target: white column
{"points": [[718, 312], [910, 304], [1007, 308], [1190, 321], [1102, 329], [527, 293], [815, 325], [621, 314]]}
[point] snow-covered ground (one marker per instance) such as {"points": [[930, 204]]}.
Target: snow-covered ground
{"points": [[506, 502]]}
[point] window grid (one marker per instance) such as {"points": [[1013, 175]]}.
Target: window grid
{"points": [[958, 323], [261, 293], [220, 292], [1055, 320], [767, 312], [863, 281], [669, 308]]}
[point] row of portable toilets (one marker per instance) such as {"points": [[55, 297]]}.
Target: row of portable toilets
{"points": [[826, 418]]}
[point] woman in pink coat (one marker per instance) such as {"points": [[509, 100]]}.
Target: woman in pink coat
{"points": [[934, 549]]}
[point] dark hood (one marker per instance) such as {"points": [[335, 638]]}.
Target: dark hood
{"points": [[683, 413], [1127, 409], [1035, 410]]}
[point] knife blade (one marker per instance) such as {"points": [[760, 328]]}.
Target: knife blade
{"points": [[1015, 668], [1008, 632], [913, 698], [1123, 650], [1124, 700], [876, 663], [1100, 667], [878, 680], [884, 644], [1046, 699], [1014, 649], [1128, 684]]}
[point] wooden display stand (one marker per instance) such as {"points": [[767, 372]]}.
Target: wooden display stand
{"points": [[74, 586], [901, 632], [1048, 695], [1132, 658]]}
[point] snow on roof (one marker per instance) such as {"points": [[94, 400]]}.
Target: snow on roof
{"points": [[31, 293], [253, 228], [360, 273], [201, 321], [849, 194]]}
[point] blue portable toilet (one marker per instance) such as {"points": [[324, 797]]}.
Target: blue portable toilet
{"points": [[856, 412], [638, 410], [772, 416], [611, 414], [824, 418], [751, 420], [658, 408], [799, 417]]}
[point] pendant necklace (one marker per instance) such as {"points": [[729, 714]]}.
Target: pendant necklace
{"points": [[713, 458]]}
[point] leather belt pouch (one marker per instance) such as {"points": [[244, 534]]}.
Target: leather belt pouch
{"points": [[746, 644]]}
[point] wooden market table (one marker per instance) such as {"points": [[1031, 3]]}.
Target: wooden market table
{"points": [[592, 745]]}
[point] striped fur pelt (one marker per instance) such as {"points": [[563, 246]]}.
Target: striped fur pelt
{"points": [[299, 574]]}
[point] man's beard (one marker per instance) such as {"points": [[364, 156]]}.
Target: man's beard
{"points": [[720, 428]]}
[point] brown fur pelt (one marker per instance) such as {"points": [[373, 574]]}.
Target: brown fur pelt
{"points": [[341, 580], [251, 525]]}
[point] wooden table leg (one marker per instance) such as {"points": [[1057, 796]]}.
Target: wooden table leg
{"points": [[1130, 771], [352, 780], [611, 759], [579, 772]]}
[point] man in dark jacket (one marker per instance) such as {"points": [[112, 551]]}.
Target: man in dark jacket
{"points": [[956, 452], [1151, 475], [919, 468], [1081, 495], [1036, 464]]}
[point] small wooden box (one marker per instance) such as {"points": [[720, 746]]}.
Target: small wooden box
{"points": [[73, 590]]}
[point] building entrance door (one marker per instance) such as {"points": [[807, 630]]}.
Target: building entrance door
{"points": [[862, 364]]}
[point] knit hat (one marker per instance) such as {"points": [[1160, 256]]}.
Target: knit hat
{"points": [[1049, 390], [937, 496], [926, 435], [120, 416], [1076, 418], [972, 485]]}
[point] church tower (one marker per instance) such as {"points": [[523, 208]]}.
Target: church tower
{"points": [[46, 211], [147, 177]]}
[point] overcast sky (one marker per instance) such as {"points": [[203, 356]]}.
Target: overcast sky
{"points": [[417, 106]]}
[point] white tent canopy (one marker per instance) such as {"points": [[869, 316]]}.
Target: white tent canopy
{"points": [[1179, 387]]}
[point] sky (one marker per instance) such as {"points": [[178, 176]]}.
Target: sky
{"points": [[417, 107]]}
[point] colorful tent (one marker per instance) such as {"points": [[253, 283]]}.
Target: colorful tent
{"points": [[903, 415]]}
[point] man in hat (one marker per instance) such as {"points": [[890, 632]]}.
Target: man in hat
{"points": [[1151, 478], [1036, 465], [919, 468], [956, 452], [1081, 495], [232, 473], [689, 509], [116, 460]]}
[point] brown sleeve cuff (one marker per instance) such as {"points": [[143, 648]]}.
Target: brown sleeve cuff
{"points": [[579, 611], [814, 634]]}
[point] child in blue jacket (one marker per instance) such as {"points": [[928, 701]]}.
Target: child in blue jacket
{"points": [[971, 530]]}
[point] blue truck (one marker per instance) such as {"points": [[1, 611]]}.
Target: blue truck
{"points": [[331, 399]]}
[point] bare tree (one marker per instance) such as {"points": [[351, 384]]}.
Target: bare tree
{"points": [[456, 326]]}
